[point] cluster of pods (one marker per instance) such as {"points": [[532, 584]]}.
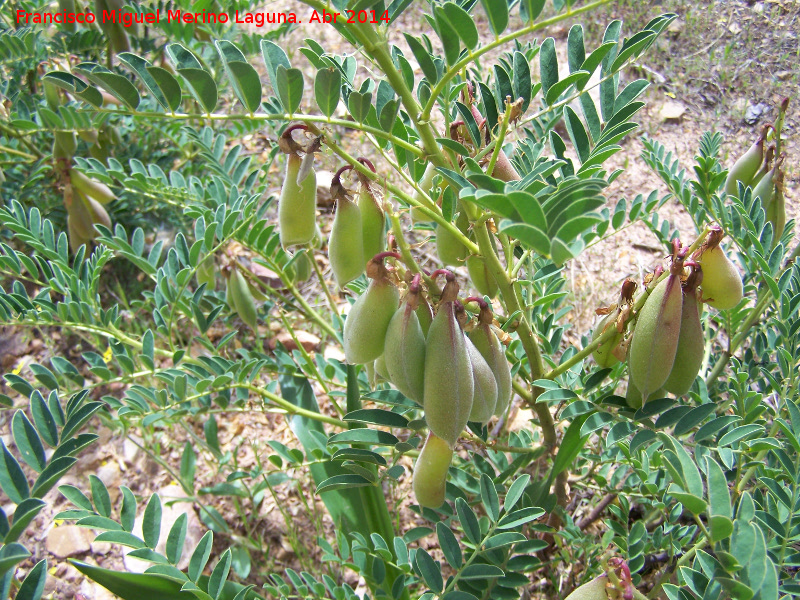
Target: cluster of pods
{"points": [[455, 376], [665, 351], [756, 169]]}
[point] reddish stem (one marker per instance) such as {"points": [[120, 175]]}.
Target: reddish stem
{"points": [[447, 274], [367, 162]]}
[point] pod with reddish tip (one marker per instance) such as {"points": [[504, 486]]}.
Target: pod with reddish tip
{"points": [[655, 337], [449, 385], [503, 169], [481, 277], [430, 472], [297, 205], [364, 334], [722, 285], [404, 352], [345, 246], [484, 398], [691, 343]]}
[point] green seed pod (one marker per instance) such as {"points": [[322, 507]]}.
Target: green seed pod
{"points": [[484, 399], [404, 352], [64, 144], [417, 216], [52, 93], [79, 222], [594, 590], [481, 277], [765, 168], [301, 267], [297, 205], [365, 328], [655, 338], [449, 385], [747, 166], [95, 210], [90, 187], [345, 246], [604, 354], [373, 221], [493, 353], [242, 298], [430, 472], [722, 285], [765, 189], [691, 343], [424, 314], [449, 248], [777, 214], [206, 272], [380, 367]]}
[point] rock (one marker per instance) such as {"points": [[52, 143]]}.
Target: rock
{"points": [[309, 341], [68, 540], [754, 112], [672, 111], [169, 514], [109, 473], [267, 276], [101, 548]]}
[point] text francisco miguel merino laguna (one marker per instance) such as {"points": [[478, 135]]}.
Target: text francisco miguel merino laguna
{"points": [[127, 19]]}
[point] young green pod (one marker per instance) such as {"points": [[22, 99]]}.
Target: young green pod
{"points": [[364, 334], [604, 354], [64, 145], [481, 277], [302, 267], [691, 343], [449, 248], [765, 189], [373, 220], [298, 201], [345, 246], [484, 399], [614, 584], [424, 314], [746, 167], [449, 385], [503, 169], [430, 472], [489, 346], [243, 302], [777, 212], [655, 337], [79, 222], [404, 351], [722, 285], [90, 187]]}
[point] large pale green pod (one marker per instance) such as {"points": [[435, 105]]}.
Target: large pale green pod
{"points": [[448, 247], [373, 224], [449, 386], [746, 167], [594, 590], [297, 205], [765, 190], [365, 328], [242, 298], [484, 399], [492, 351], [430, 472], [691, 346], [655, 338], [345, 246], [722, 285], [604, 354], [404, 353], [481, 277]]}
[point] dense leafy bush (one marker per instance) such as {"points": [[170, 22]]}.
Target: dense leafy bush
{"points": [[692, 465]]}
